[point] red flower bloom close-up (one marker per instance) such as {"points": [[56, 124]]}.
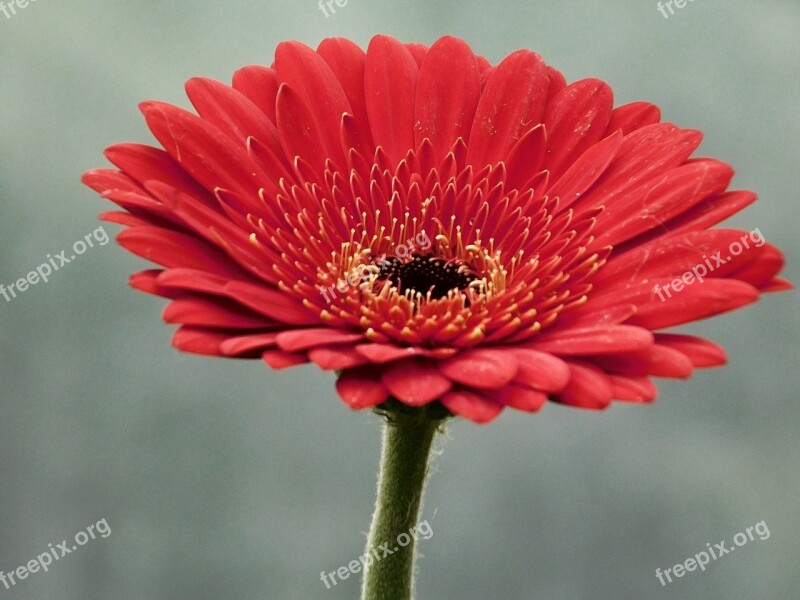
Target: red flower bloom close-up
{"points": [[435, 228]]}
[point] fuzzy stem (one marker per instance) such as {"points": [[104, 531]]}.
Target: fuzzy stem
{"points": [[407, 443]]}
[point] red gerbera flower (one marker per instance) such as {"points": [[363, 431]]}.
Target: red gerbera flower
{"points": [[436, 228]]}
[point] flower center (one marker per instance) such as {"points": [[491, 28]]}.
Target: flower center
{"points": [[426, 275]]}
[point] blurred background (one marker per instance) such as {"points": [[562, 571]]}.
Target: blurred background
{"points": [[221, 479]]}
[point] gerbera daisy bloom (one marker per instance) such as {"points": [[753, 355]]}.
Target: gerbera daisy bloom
{"points": [[440, 231]]}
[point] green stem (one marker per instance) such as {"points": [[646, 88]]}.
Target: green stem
{"points": [[407, 441]]}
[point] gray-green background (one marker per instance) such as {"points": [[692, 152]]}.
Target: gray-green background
{"points": [[223, 480]]}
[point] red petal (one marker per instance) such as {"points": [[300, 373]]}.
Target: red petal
{"points": [[517, 84], [778, 285], [348, 62], [525, 158], [260, 84], [303, 339], [557, 82], [383, 353], [644, 154], [144, 206], [270, 302], [218, 230], [144, 163], [203, 150], [575, 120], [390, 81], [712, 297], [588, 387], [123, 218], [472, 406], [337, 357], [447, 95], [633, 116], [710, 211], [647, 206], [758, 266], [173, 249], [247, 344], [147, 281], [541, 370], [103, 181], [199, 341], [481, 368], [360, 388], [585, 171], [658, 361], [278, 359], [193, 280], [415, 382], [702, 352], [230, 111], [594, 340], [520, 397], [633, 389], [207, 313], [299, 133], [670, 256], [310, 76], [589, 316], [418, 51]]}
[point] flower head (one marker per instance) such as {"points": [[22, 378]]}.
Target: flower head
{"points": [[436, 228]]}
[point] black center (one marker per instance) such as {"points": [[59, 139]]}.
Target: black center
{"points": [[425, 274]]}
